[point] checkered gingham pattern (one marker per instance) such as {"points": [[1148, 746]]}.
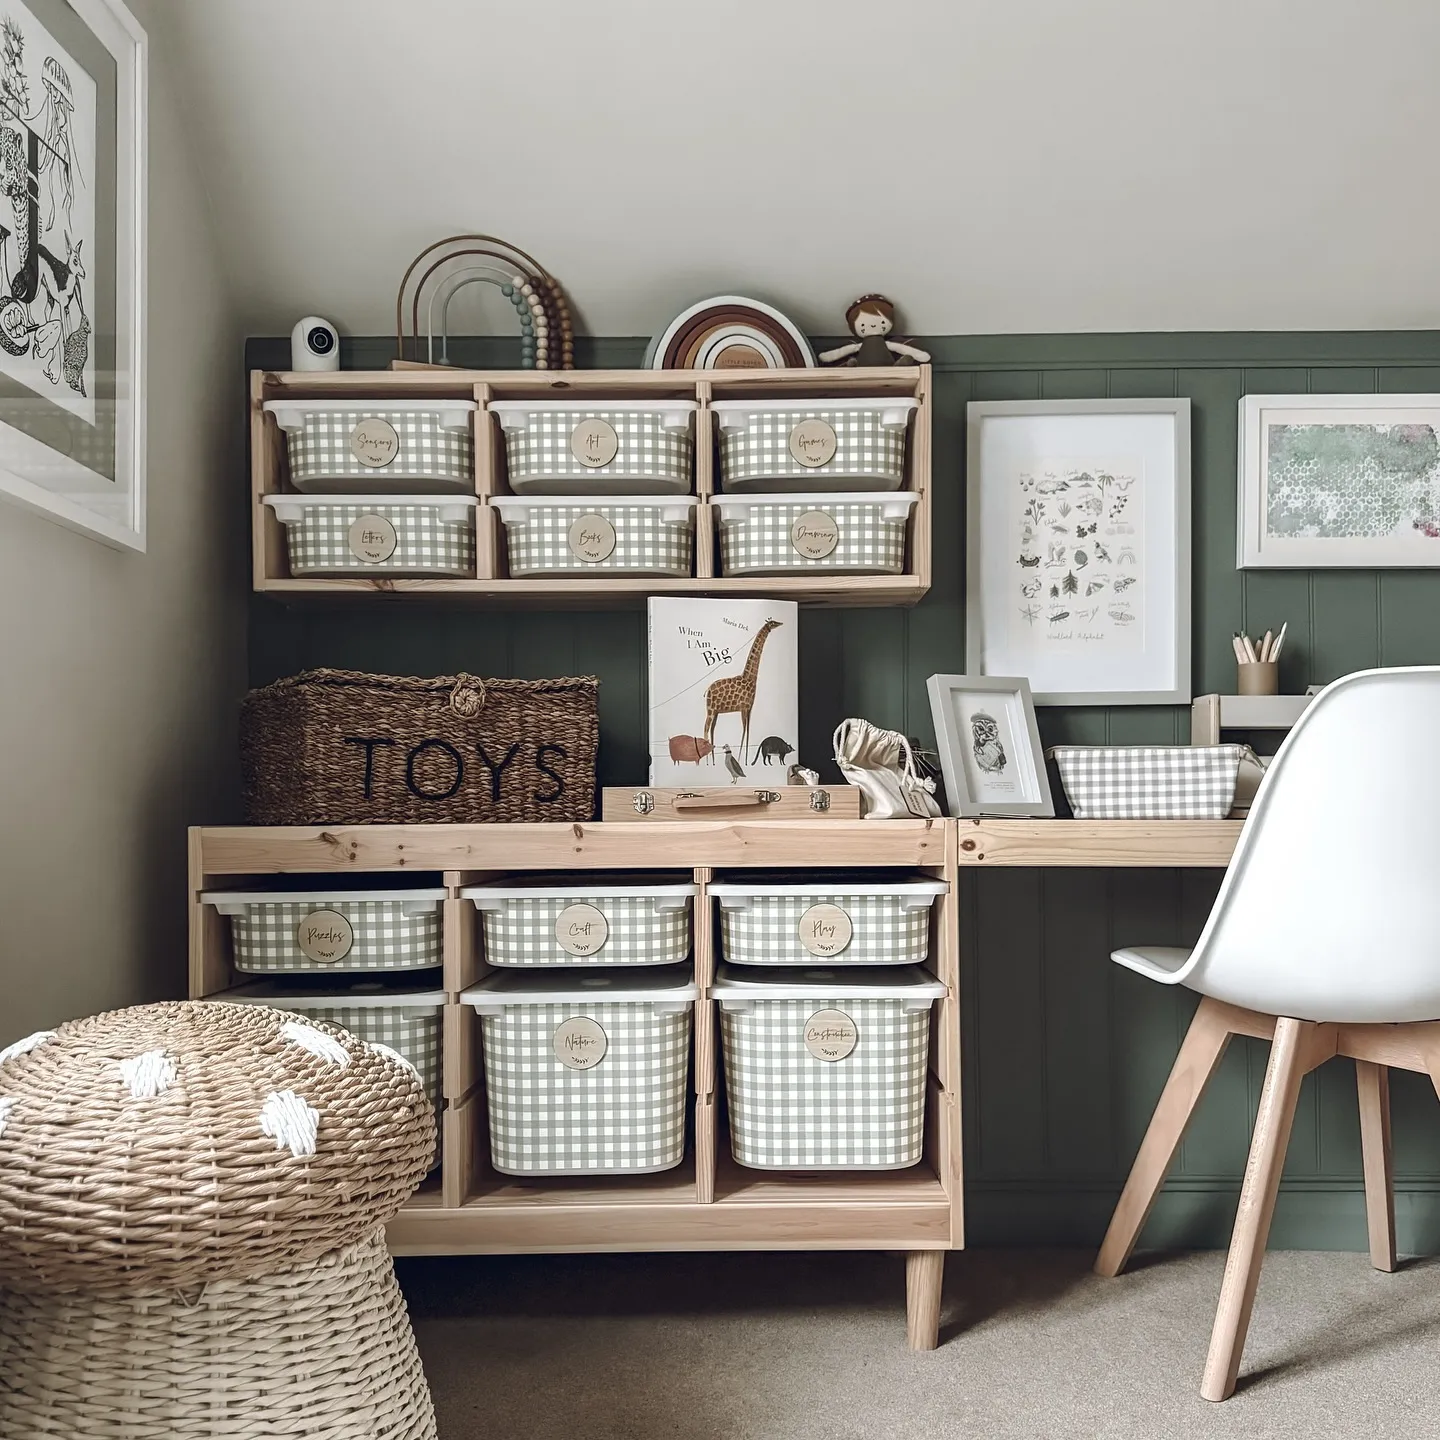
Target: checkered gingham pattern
{"points": [[411, 1030], [523, 932], [790, 1111], [320, 450], [625, 1114], [644, 540], [386, 938], [425, 544], [765, 932], [646, 450], [757, 539], [863, 447], [1149, 782]]}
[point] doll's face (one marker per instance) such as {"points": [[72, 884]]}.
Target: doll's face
{"points": [[870, 323]]}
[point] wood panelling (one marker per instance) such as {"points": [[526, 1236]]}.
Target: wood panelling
{"points": [[1065, 1054]]}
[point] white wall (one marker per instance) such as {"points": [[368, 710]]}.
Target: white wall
{"points": [[119, 673]]}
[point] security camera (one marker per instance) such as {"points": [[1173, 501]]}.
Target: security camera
{"points": [[314, 345]]}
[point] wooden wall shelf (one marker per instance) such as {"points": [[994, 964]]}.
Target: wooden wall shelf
{"points": [[491, 584]]}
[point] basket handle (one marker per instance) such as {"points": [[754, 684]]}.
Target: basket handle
{"points": [[467, 698]]}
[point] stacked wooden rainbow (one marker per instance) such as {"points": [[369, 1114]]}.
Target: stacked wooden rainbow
{"points": [[730, 332]]}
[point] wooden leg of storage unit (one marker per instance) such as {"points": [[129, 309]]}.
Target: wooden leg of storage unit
{"points": [[705, 1143], [1373, 1083], [924, 1276]]}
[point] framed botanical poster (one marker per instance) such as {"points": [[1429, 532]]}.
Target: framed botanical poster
{"points": [[72, 264], [1078, 548], [989, 746], [1336, 480]]}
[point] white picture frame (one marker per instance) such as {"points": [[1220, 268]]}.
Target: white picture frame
{"points": [[1314, 467], [989, 746], [72, 356], [1078, 517]]}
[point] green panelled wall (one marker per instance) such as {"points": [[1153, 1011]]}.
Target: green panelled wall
{"points": [[1065, 1053]]}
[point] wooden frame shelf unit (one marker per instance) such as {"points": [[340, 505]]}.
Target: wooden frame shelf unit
{"points": [[709, 1202], [491, 584]]}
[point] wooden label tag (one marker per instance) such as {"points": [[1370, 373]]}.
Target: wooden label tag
{"points": [[372, 539], [374, 441], [591, 537], [581, 929], [812, 442], [594, 442], [824, 930], [814, 535], [325, 936], [830, 1035], [580, 1043]]}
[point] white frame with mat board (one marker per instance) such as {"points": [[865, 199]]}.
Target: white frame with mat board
{"points": [[969, 794]]}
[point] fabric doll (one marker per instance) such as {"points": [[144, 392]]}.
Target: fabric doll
{"points": [[871, 319]]}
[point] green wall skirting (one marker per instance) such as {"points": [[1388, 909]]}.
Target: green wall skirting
{"points": [[1064, 1053]]}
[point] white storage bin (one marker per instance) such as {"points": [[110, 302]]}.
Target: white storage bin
{"points": [[1149, 782], [598, 447], [377, 534], [332, 930], [844, 444], [584, 922], [825, 1069], [585, 1073], [832, 921], [618, 535], [389, 1012], [345, 446], [798, 534]]}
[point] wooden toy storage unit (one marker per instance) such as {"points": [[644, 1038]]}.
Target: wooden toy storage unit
{"points": [[708, 1202]]}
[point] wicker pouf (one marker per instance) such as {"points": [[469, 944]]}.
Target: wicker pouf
{"points": [[192, 1201]]}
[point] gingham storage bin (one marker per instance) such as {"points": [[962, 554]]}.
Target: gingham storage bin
{"points": [[386, 446], [377, 534], [638, 924], [619, 535], [598, 447], [825, 1069], [768, 922], [1149, 782], [784, 534], [286, 931], [382, 1012], [625, 1112], [842, 444]]}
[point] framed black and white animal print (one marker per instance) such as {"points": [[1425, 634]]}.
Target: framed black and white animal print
{"points": [[989, 746]]}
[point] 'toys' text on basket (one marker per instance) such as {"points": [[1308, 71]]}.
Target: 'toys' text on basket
{"points": [[435, 769]]}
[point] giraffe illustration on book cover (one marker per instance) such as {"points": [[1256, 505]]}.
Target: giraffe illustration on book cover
{"points": [[723, 681]]}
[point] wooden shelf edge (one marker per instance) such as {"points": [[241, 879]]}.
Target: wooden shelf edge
{"points": [[1151, 844]]}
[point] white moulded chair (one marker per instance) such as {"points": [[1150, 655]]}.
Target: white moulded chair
{"points": [[1325, 940]]}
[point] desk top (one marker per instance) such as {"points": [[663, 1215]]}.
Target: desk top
{"points": [[1158, 844]]}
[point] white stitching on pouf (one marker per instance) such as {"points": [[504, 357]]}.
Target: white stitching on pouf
{"points": [[148, 1075], [317, 1042], [289, 1121], [7, 1104], [25, 1046], [376, 1048]]}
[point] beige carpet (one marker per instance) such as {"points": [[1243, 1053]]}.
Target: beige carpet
{"points": [[812, 1347]]}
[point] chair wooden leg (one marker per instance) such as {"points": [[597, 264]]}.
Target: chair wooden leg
{"points": [[1199, 1056], [1373, 1083], [1289, 1056], [924, 1275]]}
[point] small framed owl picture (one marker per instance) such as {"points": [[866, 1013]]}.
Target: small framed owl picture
{"points": [[989, 746]]}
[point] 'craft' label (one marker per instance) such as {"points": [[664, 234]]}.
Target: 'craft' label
{"points": [[581, 929]]}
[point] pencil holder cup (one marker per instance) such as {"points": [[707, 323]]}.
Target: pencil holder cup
{"points": [[1261, 678]]}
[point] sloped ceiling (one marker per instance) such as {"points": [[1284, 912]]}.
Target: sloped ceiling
{"points": [[1005, 166]]}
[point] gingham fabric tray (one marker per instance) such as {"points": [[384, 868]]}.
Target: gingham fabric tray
{"points": [[764, 534], [1149, 782], [343, 536], [864, 438], [433, 450], [654, 453], [790, 1109], [626, 1114], [639, 535], [890, 924], [644, 926], [390, 930]]}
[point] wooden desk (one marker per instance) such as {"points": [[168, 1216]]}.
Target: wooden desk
{"points": [[1156, 844]]}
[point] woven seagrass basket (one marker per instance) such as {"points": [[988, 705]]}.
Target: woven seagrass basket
{"points": [[335, 747]]}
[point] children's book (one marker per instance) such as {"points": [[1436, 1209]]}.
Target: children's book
{"points": [[724, 707]]}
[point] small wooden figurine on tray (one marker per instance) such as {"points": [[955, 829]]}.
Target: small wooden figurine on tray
{"points": [[871, 319]]}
